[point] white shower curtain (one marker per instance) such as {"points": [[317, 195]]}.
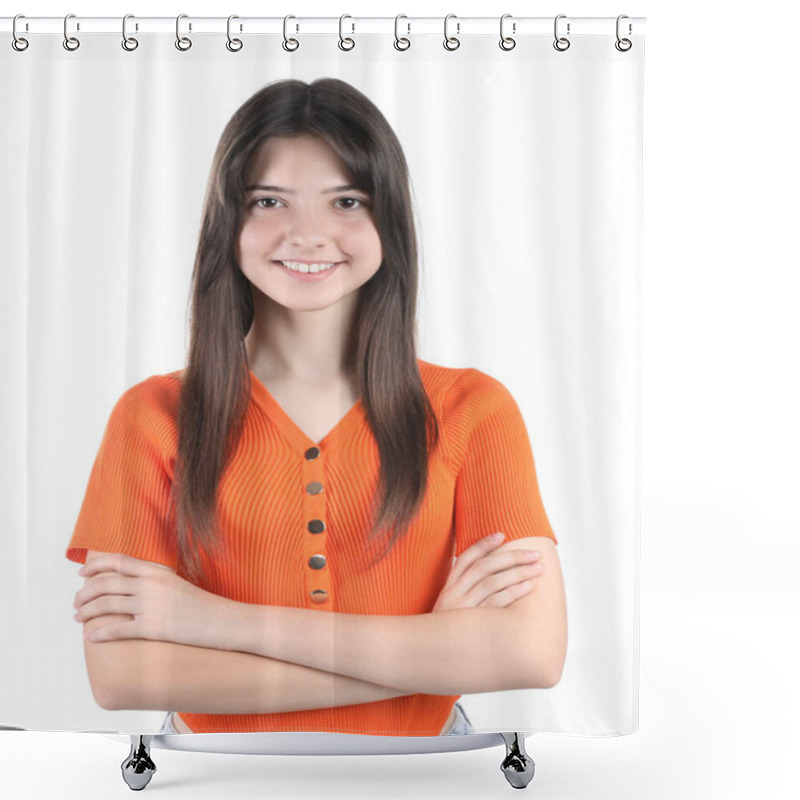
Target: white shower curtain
{"points": [[525, 171]]}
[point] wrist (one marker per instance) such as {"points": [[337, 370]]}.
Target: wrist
{"points": [[237, 626]]}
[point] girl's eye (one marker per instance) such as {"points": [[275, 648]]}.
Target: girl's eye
{"points": [[273, 202], [357, 200], [259, 200]]}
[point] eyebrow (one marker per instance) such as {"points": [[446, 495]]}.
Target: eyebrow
{"points": [[264, 188]]}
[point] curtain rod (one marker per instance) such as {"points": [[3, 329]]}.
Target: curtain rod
{"points": [[327, 25]]}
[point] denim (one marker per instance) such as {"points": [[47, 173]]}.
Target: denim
{"points": [[460, 726], [168, 727]]}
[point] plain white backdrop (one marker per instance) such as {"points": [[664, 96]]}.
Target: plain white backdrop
{"points": [[720, 604]]}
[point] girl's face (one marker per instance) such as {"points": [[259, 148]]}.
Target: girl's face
{"points": [[300, 210]]}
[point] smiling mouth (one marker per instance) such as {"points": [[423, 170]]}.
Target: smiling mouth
{"points": [[305, 267]]}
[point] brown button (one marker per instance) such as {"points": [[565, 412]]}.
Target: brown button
{"points": [[314, 488], [312, 453], [319, 595], [316, 526], [317, 562]]}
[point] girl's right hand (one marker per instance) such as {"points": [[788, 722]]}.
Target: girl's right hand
{"points": [[483, 577]]}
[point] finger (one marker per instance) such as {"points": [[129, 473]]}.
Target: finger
{"points": [[474, 553], [109, 583], [493, 563], [119, 562], [79, 597], [498, 582], [504, 559], [112, 632], [107, 604], [507, 596], [116, 562]]}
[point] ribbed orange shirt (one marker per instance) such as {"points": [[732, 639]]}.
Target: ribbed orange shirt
{"points": [[481, 479]]}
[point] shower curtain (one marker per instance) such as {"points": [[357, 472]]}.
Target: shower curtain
{"points": [[524, 162]]}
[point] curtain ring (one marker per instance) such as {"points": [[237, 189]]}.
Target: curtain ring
{"points": [[401, 43], [234, 45], [561, 43], [506, 42], [346, 43], [451, 42], [289, 44], [182, 42], [129, 43], [18, 43], [623, 45], [70, 42]]}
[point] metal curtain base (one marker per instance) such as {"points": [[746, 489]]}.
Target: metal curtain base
{"points": [[138, 768], [517, 766]]}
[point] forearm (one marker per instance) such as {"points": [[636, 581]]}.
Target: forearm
{"points": [[461, 651], [137, 673]]}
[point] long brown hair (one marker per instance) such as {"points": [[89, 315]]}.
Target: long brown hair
{"points": [[216, 387]]}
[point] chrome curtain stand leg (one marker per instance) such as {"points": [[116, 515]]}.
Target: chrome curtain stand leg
{"points": [[138, 768], [518, 766]]}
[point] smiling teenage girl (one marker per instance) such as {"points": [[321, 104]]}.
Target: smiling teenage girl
{"points": [[306, 461]]}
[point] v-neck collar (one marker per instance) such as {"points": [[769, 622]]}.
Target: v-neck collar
{"points": [[299, 440]]}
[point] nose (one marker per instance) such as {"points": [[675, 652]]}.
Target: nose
{"points": [[306, 228]]}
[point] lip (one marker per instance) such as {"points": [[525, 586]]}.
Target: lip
{"points": [[307, 277]]}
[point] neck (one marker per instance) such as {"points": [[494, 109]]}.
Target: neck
{"points": [[305, 346]]}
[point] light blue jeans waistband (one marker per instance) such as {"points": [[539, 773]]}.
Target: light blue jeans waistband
{"points": [[460, 726], [168, 727], [461, 723]]}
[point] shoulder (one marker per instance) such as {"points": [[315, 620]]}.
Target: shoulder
{"points": [[471, 406], [464, 391], [158, 393], [150, 406]]}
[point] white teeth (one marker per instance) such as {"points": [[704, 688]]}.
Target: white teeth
{"points": [[298, 266]]}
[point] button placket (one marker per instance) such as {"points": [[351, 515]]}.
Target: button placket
{"points": [[316, 568]]}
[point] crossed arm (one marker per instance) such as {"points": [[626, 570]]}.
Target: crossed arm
{"points": [[246, 658]]}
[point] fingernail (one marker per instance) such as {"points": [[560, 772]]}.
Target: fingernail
{"points": [[497, 536]]}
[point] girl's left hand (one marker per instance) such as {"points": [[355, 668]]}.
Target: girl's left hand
{"points": [[164, 606]]}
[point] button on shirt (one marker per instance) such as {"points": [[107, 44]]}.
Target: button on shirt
{"points": [[295, 516]]}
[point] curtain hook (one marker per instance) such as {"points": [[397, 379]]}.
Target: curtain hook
{"points": [[70, 42], [182, 42], [18, 43], [346, 43], [623, 45], [506, 42], [290, 44], [129, 43], [234, 45], [451, 42], [401, 43], [561, 43]]}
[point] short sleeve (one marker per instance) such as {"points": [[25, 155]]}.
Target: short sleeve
{"points": [[126, 507], [496, 485]]}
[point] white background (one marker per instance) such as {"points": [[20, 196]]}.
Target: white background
{"points": [[719, 615]]}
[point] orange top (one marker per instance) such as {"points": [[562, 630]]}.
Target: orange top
{"points": [[482, 479]]}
